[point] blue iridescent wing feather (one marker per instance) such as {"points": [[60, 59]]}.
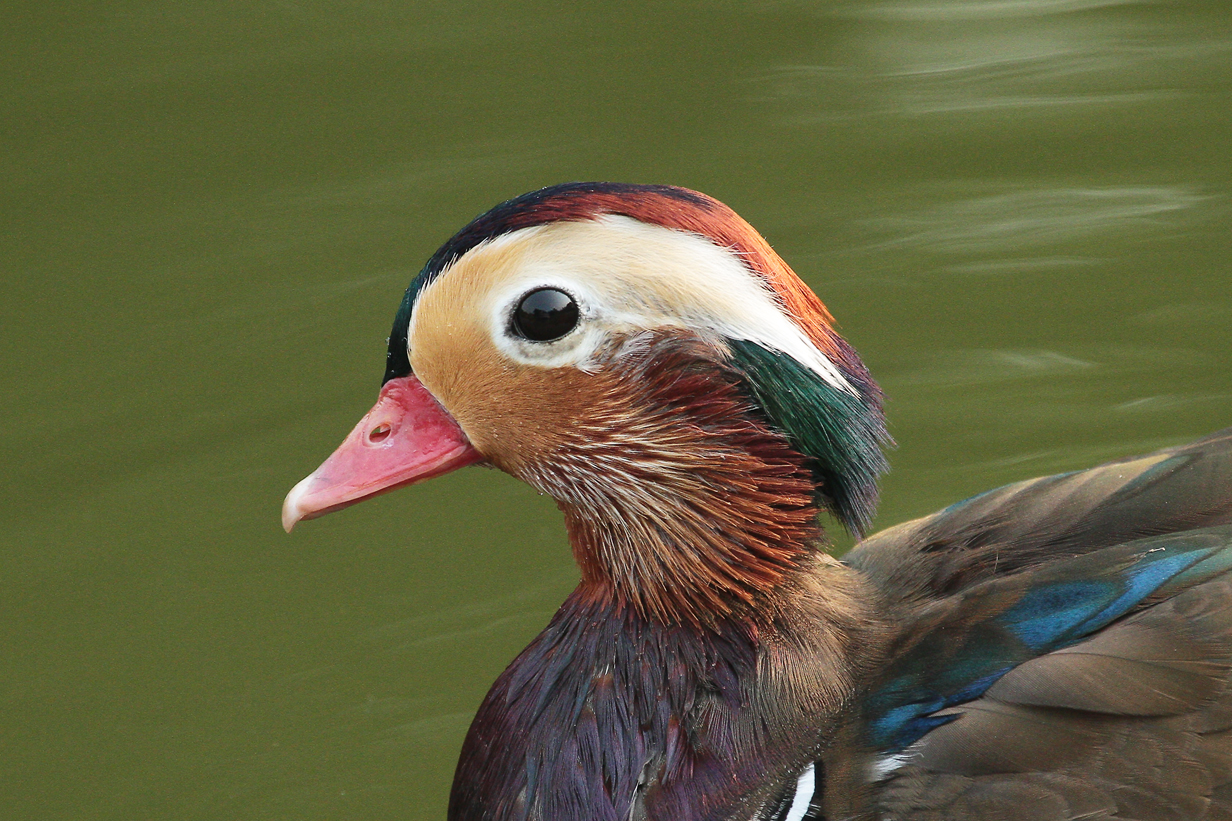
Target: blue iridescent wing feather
{"points": [[1066, 649], [1002, 623]]}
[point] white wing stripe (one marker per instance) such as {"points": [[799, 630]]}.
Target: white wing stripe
{"points": [[806, 784]]}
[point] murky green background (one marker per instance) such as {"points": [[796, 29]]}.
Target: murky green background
{"points": [[1018, 209]]}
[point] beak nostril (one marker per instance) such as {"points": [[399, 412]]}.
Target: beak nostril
{"points": [[379, 434]]}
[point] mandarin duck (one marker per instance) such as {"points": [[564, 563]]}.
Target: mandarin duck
{"points": [[1056, 649]]}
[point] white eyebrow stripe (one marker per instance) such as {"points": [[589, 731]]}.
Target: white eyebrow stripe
{"points": [[633, 276]]}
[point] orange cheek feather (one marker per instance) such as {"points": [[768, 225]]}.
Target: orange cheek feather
{"points": [[516, 415]]}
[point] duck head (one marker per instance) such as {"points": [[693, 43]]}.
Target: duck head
{"points": [[642, 355]]}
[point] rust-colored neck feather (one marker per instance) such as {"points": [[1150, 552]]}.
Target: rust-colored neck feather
{"points": [[678, 500]]}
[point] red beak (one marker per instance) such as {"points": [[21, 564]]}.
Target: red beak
{"points": [[406, 437]]}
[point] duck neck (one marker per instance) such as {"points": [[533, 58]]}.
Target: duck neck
{"points": [[704, 546], [680, 501]]}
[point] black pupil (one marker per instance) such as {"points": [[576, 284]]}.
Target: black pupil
{"points": [[545, 314]]}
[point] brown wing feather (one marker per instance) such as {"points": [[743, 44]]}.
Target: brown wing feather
{"points": [[923, 796], [1041, 520], [1130, 724], [1165, 660]]}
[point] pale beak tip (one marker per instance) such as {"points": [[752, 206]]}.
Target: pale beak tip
{"points": [[292, 512]]}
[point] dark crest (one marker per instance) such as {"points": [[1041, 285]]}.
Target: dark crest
{"points": [[568, 201]]}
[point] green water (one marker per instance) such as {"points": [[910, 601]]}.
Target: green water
{"points": [[1019, 210]]}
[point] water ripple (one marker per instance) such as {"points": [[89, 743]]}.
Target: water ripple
{"points": [[1032, 218]]}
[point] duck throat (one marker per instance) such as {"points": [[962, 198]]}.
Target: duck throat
{"points": [[679, 500]]}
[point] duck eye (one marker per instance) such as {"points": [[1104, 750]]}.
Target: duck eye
{"points": [[545, 314]]}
